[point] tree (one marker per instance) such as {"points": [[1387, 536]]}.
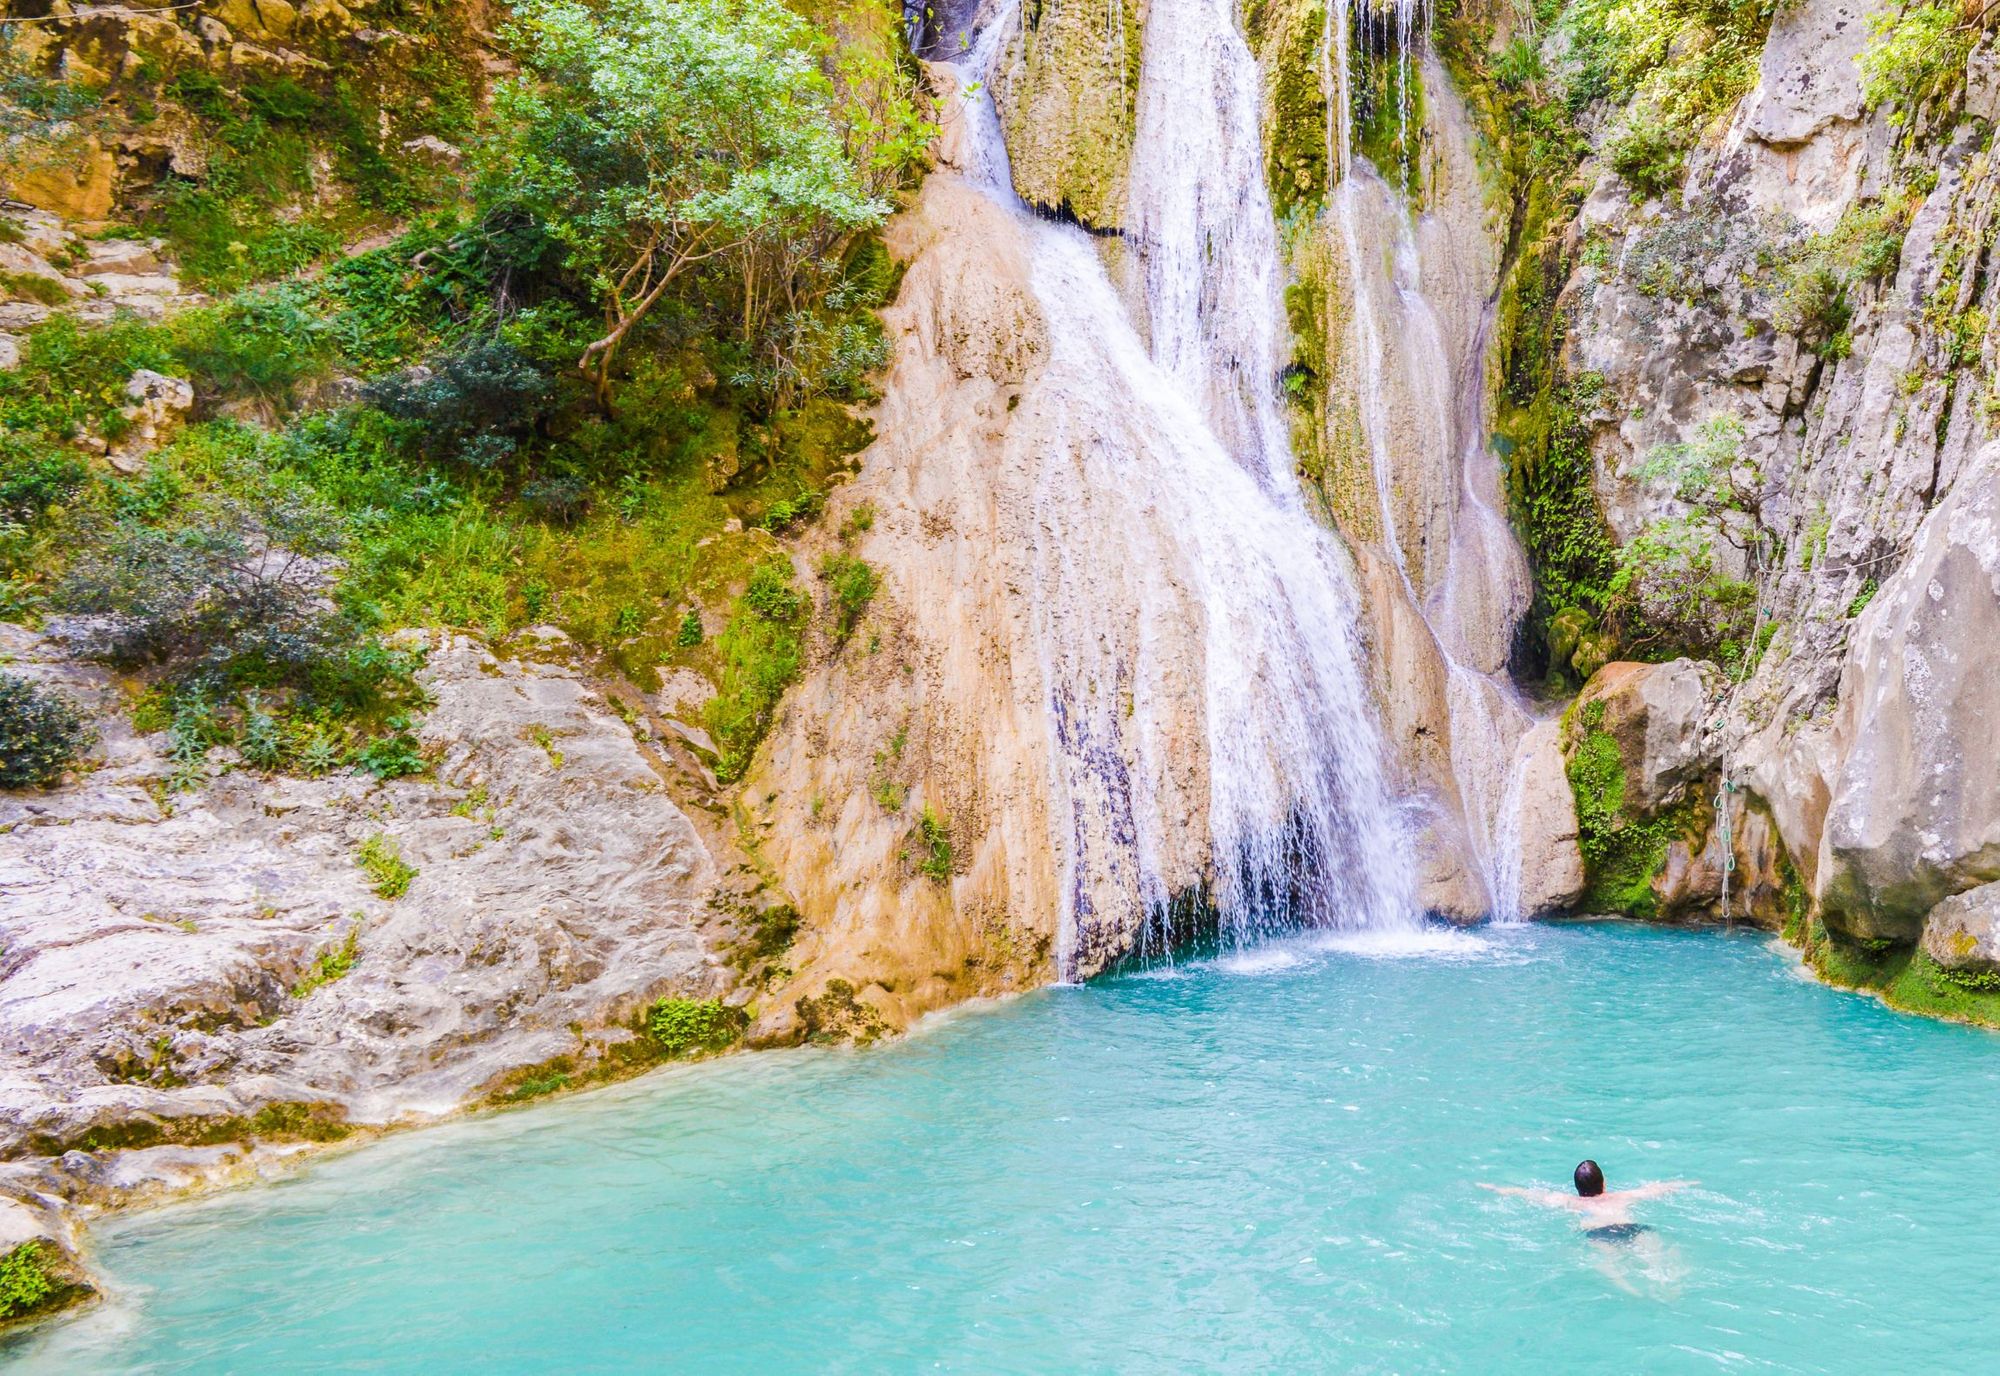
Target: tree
{"points": [[652, 136]]}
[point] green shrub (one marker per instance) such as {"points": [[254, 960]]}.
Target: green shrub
{"points": [[1648, 154], [382, 860], [474, 406], [1916, 55], [41, 733], [1817, 280], [234, 589], [682, 1027]]}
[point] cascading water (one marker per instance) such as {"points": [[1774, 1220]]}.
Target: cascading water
{"points": [[1181, 450], [1473, 603]]}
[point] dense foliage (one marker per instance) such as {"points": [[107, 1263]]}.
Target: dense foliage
{"points": [[694, 222]]}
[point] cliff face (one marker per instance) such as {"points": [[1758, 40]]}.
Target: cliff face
{"points": [[1809, 314]]}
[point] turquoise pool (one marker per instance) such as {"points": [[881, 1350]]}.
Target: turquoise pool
{"points": [[1253, 1165]]}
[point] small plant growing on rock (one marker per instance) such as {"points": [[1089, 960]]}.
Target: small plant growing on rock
{"points": [[389, 873], [335, 962], [852, 584], [41, 734], [683, 1027], [28, 1282], [934, 835]]}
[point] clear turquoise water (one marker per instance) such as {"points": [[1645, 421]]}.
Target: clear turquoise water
{"points": [[1255, 1167]]}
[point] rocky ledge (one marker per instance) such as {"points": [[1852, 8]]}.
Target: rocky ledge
{"points": [[196, 985]]}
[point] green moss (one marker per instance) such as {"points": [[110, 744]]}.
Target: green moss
{"points": [[333, 963], [1622, 851], [388, 873], [1286, 35], [761, 653], [934, 841], [852, 584], [837, 1015], [1904, 976], [287, 1121]]}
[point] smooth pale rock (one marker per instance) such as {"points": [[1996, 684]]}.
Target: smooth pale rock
{"points": [[21, 261], [1660, 715], [1915, 808], [1962, 934], [1807, 77], [158, 406], [126, 258], [1552, 876], [552, 902], [41, 233]]}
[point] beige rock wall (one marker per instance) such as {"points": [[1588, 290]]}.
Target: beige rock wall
{"points": [[1067, 89]]}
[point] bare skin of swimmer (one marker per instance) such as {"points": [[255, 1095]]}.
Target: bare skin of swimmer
{"points": [[1609, 1209]]}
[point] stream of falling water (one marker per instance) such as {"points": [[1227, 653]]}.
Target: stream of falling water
{"points": [[1487, 716], [1187, 438]]}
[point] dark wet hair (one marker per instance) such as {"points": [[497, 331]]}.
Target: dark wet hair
{"points": [[1589, 1179]]}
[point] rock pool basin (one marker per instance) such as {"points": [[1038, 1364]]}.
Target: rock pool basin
{"points": [[1252, 1163]]}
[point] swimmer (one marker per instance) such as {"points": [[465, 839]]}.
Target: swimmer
{"points": [[1605, 1216]]}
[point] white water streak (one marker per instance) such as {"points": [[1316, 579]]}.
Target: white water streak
{"points": [[1181, 453]]}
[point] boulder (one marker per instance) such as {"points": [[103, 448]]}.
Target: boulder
{"points": [[82, 188], [1962, 934], [1551, 863], [1659, 714], [1914, 815], [158, 405]]}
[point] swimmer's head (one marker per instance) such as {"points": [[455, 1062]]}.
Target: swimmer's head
{"points": [[1589, 1180]]}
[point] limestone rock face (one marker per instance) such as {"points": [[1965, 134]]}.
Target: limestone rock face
{"points": [[1962, 934], [1393, 310], [1660, 715], [1551, 864], [1914, 813], [1067, 90], [157, 945], [1846, 448], [936, 702]]}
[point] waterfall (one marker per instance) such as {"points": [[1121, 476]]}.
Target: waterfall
{"points": [[1473, 604], [1178, 449]]}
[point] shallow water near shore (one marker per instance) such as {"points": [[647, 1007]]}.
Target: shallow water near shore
{"points": [[1253, 1162]]}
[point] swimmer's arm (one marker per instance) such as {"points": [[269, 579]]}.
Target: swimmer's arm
{"points": [[1660, 1188], [1538, 1196]]}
